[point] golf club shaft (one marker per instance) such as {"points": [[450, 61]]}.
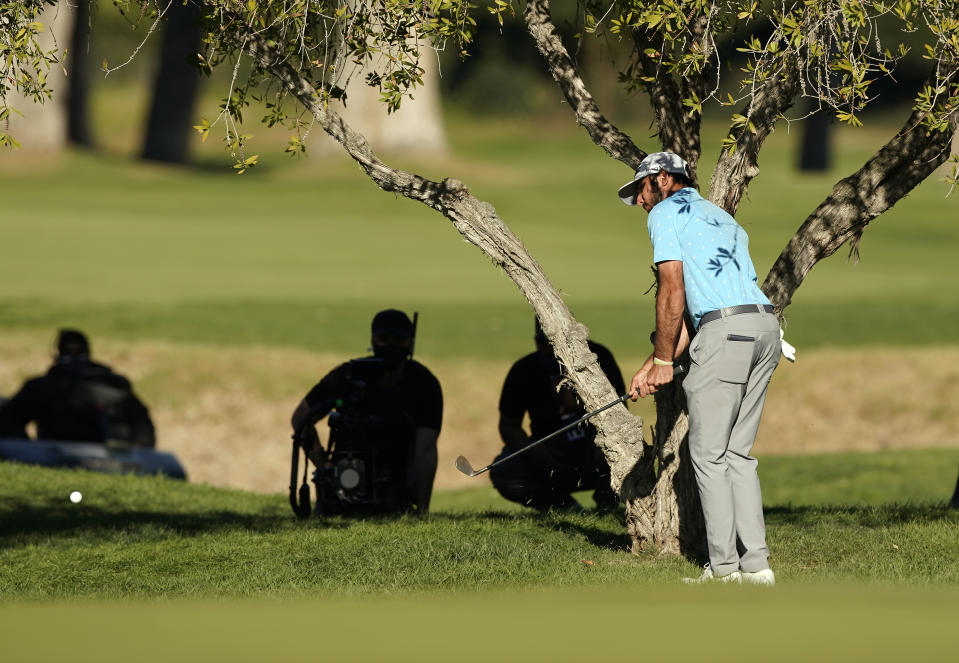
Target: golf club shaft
{"points": [[677, 372], [621, 399]]}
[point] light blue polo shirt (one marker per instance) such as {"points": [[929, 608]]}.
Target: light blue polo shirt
{"points": [[714, 249]]}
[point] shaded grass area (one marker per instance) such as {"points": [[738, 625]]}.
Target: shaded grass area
{"points": [[150, 537]]}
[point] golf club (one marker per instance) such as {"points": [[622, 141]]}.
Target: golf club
{"points": [[464, 466]]}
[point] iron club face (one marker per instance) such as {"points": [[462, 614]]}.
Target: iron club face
{"points": [[464, 466]]}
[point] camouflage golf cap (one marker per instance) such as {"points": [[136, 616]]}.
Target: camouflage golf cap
{"points": [[652, 164]]}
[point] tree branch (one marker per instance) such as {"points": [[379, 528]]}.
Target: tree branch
{"points": [[619, 434], [695, 87], [736, 168], [678, 127], [895, 170], [616, 143], [671, 122]]}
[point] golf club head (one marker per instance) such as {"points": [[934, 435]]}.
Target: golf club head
{"points": [[464, 466]]}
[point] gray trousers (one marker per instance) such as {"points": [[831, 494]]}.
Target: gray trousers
{"points": [[733, 359]]}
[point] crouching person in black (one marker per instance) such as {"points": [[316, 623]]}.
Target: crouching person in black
{"points": [[78, 400], [544, 477], [385, 414]]}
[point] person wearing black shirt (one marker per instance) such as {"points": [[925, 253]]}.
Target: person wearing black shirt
{"points": [[78, 400], [388, 407], [544, 477]]}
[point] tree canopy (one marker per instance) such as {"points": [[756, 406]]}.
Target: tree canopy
{"points": [[756, 58]]}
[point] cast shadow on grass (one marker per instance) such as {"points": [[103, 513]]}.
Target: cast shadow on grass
{"points": [[23, 520], [590, 527], [611, 537]]}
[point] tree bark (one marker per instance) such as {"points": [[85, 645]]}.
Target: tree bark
{"points": [[896, 169], [678, 127], [737, 168], [662, 501], [607, 136], [670, 518], [170, 121]]}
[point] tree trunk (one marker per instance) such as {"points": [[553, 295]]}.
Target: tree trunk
{"points": [[78, 95], [416, 127], [169, 125], [815, 154], [670, 518], [43, 128]]}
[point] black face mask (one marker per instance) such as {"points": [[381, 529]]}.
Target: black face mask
{"points": [[393, 355]]}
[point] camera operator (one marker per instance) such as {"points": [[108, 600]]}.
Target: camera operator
{"points": [[78, 400], [389, 408]]}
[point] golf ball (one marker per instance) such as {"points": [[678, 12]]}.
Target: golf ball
{"points": [[75, 496]]}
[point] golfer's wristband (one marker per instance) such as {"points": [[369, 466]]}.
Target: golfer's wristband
{"points": [[659, 362]]}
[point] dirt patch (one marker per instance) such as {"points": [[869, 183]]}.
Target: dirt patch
{"points": [[841, 400], [225, 411]]}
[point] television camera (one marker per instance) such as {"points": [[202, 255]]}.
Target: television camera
{"points": [[362, 468]]}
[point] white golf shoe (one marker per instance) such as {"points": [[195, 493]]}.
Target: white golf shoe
{"points": [[707, 576], [764, 577]]}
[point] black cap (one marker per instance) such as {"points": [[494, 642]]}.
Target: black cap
{"points": [[392, 320], [72, 342]]}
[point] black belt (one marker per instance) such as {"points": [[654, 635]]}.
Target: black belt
{"points": [[735, 310]]}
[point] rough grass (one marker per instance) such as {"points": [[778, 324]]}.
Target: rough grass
{"points": [[135, 537]]}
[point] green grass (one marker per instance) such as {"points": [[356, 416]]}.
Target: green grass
{"points": [[172, 570], [725, 624], [302, 253], [144, 538]]}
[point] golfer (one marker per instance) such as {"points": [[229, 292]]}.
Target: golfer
{"points": [[708, 287]]}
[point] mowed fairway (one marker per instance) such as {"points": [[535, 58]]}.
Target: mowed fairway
{"points": [[301, 253]]}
